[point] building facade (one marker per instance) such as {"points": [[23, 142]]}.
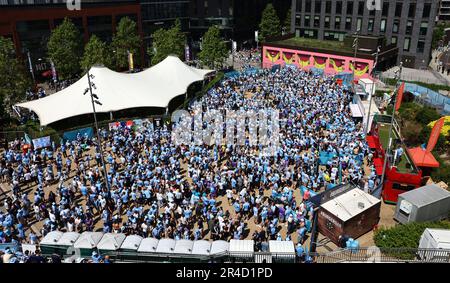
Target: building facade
{"points": [[444, 10], [162, 14], [29, 23], [238, 19], [408, 24]]}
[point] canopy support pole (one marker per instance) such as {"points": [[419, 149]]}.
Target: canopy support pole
{"points": [[167, 110], [111, 116]]}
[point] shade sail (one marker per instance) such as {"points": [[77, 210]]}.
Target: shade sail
{"points": [[422, 158], [154, 87]]}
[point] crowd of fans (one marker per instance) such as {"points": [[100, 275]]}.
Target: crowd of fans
{"points": [[193, 192]]}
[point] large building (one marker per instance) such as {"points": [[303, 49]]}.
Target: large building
{"points": [[29, 23], [238, 19], [408, 24], [162, 14], [444, 10]]}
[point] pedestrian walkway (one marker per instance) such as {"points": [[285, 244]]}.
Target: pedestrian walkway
{"points": [[434, 65]]}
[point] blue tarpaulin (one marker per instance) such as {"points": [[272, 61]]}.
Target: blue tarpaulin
{"points": [[324, 156], [72, 135]]}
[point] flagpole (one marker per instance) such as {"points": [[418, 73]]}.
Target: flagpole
{"points": [[371, 92], [390, 127]]}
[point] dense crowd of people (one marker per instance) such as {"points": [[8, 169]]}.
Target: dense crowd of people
{"points": [[161, 190], [247, 58]]}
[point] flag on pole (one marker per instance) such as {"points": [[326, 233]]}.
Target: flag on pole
{"points": [[400, 91], [27, 139], [434, 136]]}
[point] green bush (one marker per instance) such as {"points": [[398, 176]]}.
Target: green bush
{"points": [[408, 111], [426, 115], [442, 173], [405, 236]]}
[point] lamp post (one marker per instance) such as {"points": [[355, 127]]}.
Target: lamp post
{"points": [[31, 67], [390, 127], [94, 100], [355, 45]]}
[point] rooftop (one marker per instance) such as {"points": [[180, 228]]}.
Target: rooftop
{"points": [[350, 204], [314, 43]]}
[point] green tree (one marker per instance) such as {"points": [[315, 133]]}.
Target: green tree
{"points": [[214, 51], [167, 42], [270, 23], [287, 22], [96, 52], [126, 39], [64, 48], [13, 79]]}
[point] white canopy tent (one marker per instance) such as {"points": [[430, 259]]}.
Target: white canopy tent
{"points": [[111, 241], [68, 239], [88, 240], [131, 242], [52, 238], [148, 245], [154, 87]]}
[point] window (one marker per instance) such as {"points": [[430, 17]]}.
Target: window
{"points": [[412, 10], [423, 28], [385, 9], [335, 36], [407, 44], [348, 23], [298, 8], [395, 26], [337, 23], [349, 8], [403, 187], [358, 24], [327, 22], [426, 10], [308, 6], [338, 7], [420, 46], [383, 25], [394, 40], [370, 25], [398, 9], [328, 7], [307, 20], [298, 20], [318, 7], [409, 27], [316, 21], [361, 8]]}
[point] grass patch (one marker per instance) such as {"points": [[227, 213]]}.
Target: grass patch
{"points": [[314, 43]]}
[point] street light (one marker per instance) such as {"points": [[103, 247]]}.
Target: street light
{"points": [[95, 100]]}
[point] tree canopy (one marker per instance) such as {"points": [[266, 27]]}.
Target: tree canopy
{"points": [[270, 23], [126, 39], [287, 22], [214, 51], [96, 52], [167, 42], [64, 49], [13, 79]]}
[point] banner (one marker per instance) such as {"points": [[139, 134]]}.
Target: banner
{"points": [[304, 60], [273, 56], [434, 136], [288, 58], [400, 91], [320, 62], [361, 72], [130, 61], [187, 53], [42, 142], [72, 135], [337, 65]]}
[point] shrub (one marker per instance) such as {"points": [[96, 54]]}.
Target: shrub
{"points": [[405, 236], [426, 115]]}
